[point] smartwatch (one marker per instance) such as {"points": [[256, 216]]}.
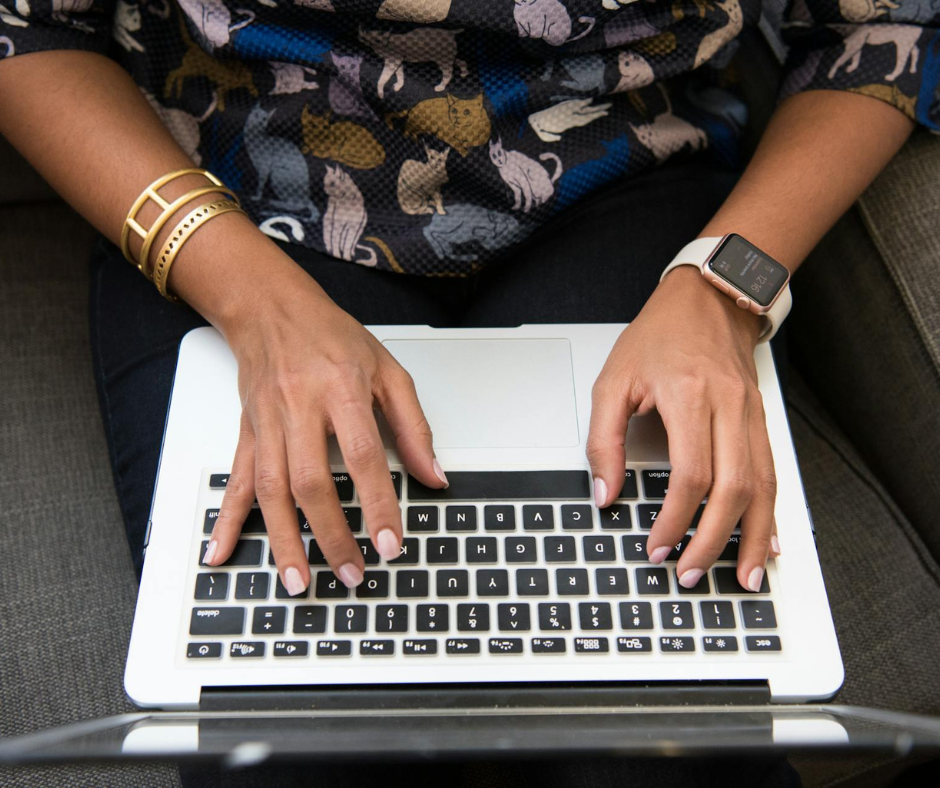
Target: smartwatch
{"points": [[740, 270]]}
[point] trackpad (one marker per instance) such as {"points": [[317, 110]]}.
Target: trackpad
{"points": [[493, 393]]}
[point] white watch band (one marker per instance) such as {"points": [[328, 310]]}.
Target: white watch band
{"points": [[697, 253]]}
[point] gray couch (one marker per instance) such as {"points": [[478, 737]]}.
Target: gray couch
{"points": [[865, 342]]}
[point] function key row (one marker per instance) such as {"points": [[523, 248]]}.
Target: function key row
{"points": [[344, 484]]}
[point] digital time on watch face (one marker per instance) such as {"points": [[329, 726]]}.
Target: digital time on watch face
{"points": [[750, 270]]}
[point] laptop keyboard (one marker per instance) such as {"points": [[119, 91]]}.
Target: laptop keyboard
{"points": [[502, 564]]}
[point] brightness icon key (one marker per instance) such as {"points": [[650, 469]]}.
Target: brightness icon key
{"points": [[719, 643], [676, 645]]}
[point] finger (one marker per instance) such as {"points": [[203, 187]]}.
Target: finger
{"points": [[774, 541], [757, 525], [238, 498], [398, 399], [611, 409]]}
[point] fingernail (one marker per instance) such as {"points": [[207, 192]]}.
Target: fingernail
{"points": [[690, 578], [755, 579], [600, 493], [775, 545], [211, 550], [659, 554], [388, 545], [350, 575], [439, 472], [293, 582]]}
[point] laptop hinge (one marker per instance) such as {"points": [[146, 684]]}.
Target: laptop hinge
{"points": [[491, 696]]}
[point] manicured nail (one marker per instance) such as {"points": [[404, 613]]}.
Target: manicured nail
{"points": [[774, 545], [755, 579], [388, 545], [600, 493], [293, 582], [690, 578], [659, 554], [211, 550], [350, 575], [439, 472]]}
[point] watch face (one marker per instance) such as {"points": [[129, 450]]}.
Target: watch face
{"points": [[747, 268]]}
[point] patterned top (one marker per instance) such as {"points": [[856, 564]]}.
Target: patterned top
{"points": [[426, 136]]}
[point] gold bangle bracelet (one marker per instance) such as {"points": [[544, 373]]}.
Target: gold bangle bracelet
{"points": [[180, 235], [150, 193], [143, 264]]}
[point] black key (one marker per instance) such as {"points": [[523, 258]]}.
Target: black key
{"points": [[599, 549], [268, 620], [218, 481], [676, 615], [209, 523], [554, 615], [374, 586], [377, 648], [655, 483], [629, 484], [217, 621], [211, 585], [462, 646], [453, 582], [254, 523], [252, 648], [353, 519], [636, 615], [505, 645], [396, 482], [717, 615], [532, 582], [506, 486], [391, 618], [726, 582], [344, 486], [280, 592], [634, 549], [329, 586], [290, 648], [538, 517], [634, 645], [701, 587], [646, 514], [762, 643], [309, 618], [432, 618], [203, 650], [248, 552], [460, 518], [513, 617], [674, 644], [499, 517], [616, 518], [595, 615], [577, 517], [719, 643], [612, 582], [350, 618], [559, 549], [481, 550], [758, 614], [676, 551], [548, 646], [492, 582], [369, 554], [698, 516], [423, 519], [316, 556], [411, 583], [419, 648], [590, 645], [730, 551], [442, 550], [571, 582], [410, 552], [520, 550], [334, 648], [652, 582], [473, 618]]}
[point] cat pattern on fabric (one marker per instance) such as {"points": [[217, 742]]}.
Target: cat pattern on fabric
{"points": [[668, 134], [551, 123], [529, 181], [213, 20], [126, 22], [471, 227], [460, 123], [345, 91], [420, 182], [291, 78], [423, 12], [635, 72], [424, 45], [345, 218], [864, 10], [903, 37], [715, 40], [548, 20], [343, 142]]}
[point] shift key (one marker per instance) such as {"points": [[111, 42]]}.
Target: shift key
{"points": [[217, 621]]}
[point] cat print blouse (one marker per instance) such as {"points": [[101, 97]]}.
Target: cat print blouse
{"points": [[428, 136]]}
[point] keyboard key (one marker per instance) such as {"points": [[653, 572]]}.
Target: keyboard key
{"points": [[538, 517], [423, 519], [218, 481], [344, 486], [554, 615], [411, 583], [559, 549], [701, 587], [652, 582], [676, 615], [316, 557], [353, 519], [329, 586], [634, 549], [520, 550], [280, 592], [303, 521], [676, 551], [577, 517], [611, 582], [595, 615], [634, 645], [377, 648], [396, 482], [309, 619], [251, 649], [211, 585], [726, 582], [647, 513], [506, 486], [599, 549], [532, 582], [655, 483], [717, 615], [461, 518], [334, 648], [492, 582], [453, 582], [432, 618], [374, 586], [674, 644], [442, 550], [762, 643], [481, 550], [719, 643], [629, 490], [505, 645], [548, 646], [636, 615], [571, 582], [590, 645], [419, 648], [209, 522], [254, 523], [473, 618], [391, 618], [217, 621], [350, 618], [730, 551], [248, 552], [268, 620], [499, 518], [410, 553], [203, 650], [616, 518], [462, 646], [758, 614], [290, 648], [369, 554], [513, 617]]}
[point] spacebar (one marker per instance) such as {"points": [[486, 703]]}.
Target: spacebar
{"points": [[505, 485]]}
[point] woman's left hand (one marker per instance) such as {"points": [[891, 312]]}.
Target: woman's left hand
{"points": [[690, 355]]}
